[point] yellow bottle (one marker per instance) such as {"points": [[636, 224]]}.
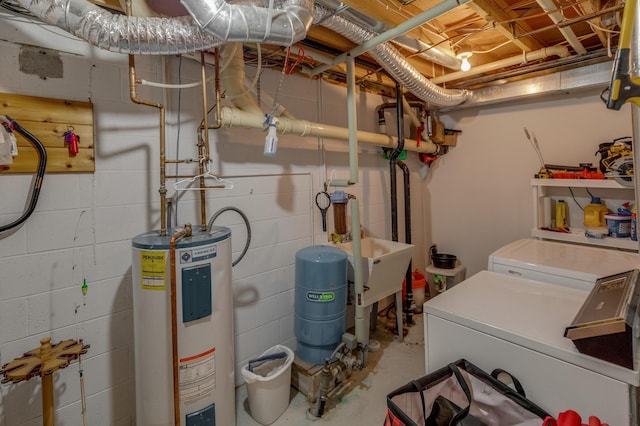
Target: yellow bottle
{"points": [[594, 213], [561, 214]]}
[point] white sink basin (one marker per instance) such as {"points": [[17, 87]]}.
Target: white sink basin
{"points": [[384, 265]]}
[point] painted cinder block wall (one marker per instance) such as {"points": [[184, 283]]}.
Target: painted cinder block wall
{"points": [[473, 200], [83, 224]]}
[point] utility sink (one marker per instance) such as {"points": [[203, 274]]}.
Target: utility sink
{"points": [[384, 265]]}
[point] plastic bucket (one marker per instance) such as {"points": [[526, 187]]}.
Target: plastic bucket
{"points": [[418, 286], [619, 226], [269, 394]]}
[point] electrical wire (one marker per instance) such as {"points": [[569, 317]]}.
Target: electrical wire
{"points": [[493, 48], [39, 177], [574, 199], [246, 222], [589, 192]]}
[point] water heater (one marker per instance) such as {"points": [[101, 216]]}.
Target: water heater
{"points": [[204, 328]]}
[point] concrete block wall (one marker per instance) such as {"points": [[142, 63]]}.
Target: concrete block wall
{"points": [[83, 225], [472, 201]]}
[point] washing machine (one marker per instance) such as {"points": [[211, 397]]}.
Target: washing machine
{"points": [[499, 321], [570, 265]]}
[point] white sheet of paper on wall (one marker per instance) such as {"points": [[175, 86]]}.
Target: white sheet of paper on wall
{"points": [[6, 156]]}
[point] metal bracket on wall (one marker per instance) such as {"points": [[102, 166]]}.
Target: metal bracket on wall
{"points": [[48, 120]]}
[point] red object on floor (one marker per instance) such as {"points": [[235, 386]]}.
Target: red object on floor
{"points": [[571, 418]]}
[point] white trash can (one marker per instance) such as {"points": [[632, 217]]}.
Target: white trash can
{"points": [[268, 380]]}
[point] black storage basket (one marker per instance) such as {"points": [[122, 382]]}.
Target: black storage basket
{"points": [[472, 397]]}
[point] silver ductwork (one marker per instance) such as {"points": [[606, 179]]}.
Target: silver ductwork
{"points": [[119, 33], [431, 53], [393, 62], [281, 22]]}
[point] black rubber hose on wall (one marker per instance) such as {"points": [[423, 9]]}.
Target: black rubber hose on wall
{"points": [[37, 183]]}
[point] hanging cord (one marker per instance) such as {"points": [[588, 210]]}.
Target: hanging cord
{"points": [[84, 287], [574, 199], [37, 184], [246, 222]]}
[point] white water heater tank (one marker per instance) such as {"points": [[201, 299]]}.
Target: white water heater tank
{"points": [[204, 328]]}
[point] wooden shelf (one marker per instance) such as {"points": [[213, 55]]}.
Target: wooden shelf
{"points": [[580, 183], [577, 236]]}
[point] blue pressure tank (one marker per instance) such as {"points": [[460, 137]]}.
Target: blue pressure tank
{"points": [[321, 301]]}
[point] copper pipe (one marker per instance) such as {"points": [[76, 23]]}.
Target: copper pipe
{"points": [[186, 232], [203, 146], [217, 89], [163, 189]]}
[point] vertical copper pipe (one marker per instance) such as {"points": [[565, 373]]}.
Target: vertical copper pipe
{"points": [[174, 321], [163, 189], [217, 89], [203, 146]]}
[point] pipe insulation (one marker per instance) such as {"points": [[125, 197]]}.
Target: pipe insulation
{"points": [[233, 117], [392, 61], [120, 33], [281, 22]]}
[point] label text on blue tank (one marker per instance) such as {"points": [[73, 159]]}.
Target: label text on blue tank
{"points": [[196, 255], [320, 296]]}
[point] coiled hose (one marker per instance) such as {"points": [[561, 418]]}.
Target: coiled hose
{"points": [[37, 184], [246, 222]]}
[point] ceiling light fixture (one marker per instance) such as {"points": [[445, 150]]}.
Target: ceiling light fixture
{"points": [[464, 57]]}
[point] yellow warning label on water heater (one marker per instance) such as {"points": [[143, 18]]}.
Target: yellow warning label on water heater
{"points": [[153, 270]]}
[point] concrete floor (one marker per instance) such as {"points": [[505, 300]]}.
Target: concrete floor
{"points": [[364, 400]]}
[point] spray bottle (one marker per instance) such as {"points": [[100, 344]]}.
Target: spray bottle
{"points": [[271, 140]]}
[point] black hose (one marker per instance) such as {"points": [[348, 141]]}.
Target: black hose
{"points": [[37, 184], [246, 222], [408, 295], [393, 156]]}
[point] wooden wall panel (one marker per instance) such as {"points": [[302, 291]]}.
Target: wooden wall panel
{"points": [[48, 120]]}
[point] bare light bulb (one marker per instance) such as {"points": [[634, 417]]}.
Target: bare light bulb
{"points": [[464, 56], [465, 65]]}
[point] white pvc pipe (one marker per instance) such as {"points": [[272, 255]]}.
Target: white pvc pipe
{"points": [[560, 51], [232, 117], [411, 113], [353, 119], [360, 322], [233, 78]]}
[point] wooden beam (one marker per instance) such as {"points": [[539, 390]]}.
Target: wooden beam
{"points": [[494, 13], [587, 8]]}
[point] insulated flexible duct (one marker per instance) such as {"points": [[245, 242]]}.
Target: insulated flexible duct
{"points": [[392, 61], [284, 23], [281, 22], [120, 33]]}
